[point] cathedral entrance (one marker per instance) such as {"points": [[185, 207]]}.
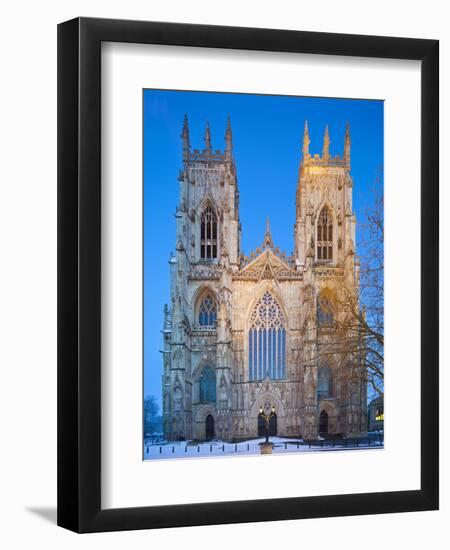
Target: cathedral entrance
{"points": [[209, 427], [273, 425], [323, 423], [261, 426]]}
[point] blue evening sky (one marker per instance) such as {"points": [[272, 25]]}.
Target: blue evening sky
{"points": [[267, 139]]}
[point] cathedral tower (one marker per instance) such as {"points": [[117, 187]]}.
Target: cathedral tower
{"points": [[207, 250], [324, 233], [243, 333], [325, 223]]}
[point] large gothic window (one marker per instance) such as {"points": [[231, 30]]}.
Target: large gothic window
{"points": [[207, 313], [267, 340], [324, 382], [325, 235], [324, 311], [208, 234], [208, 385]]}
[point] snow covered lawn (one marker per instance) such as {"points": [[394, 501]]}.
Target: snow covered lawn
{"points": [[190, 449]]}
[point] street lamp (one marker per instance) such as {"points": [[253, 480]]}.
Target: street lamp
{"points": [[267, 418]]}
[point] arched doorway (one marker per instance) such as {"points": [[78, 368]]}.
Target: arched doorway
{"points": [[323, 422], [273, 425], [261, 426], [209, 427]]}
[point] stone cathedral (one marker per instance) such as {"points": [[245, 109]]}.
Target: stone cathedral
{"points": [[241, 333]]}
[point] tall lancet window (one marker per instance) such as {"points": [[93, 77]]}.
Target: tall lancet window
{"points": [[207, 313], [267, 340], [324, 382], [325, 235], [208, 234], [207, 385], [325, 309]]}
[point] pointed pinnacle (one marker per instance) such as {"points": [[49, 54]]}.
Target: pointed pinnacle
{"points": [[207, 136], [228, 123], [185, 131]]}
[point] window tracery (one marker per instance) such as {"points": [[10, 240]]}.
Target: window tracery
{"points": [[325, 235], [208, 234], [324, 382], [207, 385], [267, 340], [207, 312], [324, 311]]}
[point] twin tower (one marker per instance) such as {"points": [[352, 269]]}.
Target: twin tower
{"points": [[241, 332]]}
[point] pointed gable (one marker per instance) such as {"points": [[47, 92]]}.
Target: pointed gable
{"points": [[267, 265]]}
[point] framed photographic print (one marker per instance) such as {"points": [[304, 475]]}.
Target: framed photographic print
{"points": [[248, 275]]}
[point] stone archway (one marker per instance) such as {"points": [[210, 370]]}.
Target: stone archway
{"points": [[209, 427], [257, 424], [328, 419], [205, 422], [262, 425], [323, 423]]}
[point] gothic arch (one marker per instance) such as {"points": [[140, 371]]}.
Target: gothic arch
{"points": [[199, 293], [204, 411], [325, 381], [329, 361], [197, 301], [274, 290], [208, 201], [266, 342], [325, 205], [333, 418], [204, 363], [326, 295], [200, 421], [208, 361], [260, 400], [279, 410], [208, 230], [177, 398], [328, 407]]}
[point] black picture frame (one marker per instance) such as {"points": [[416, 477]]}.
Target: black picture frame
{"points": [[79, 274]]}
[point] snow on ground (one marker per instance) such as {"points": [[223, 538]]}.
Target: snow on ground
{"points": [[191, 449]]}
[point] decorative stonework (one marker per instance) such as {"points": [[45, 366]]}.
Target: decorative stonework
{"points": [[268, 265], [266, 302], [205, 272]]}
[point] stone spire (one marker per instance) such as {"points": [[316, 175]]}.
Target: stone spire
{"points": [[326, 145], [306, 141], [347, 144], [268, 242], [228, 139], [207, 137], [185, 138]]}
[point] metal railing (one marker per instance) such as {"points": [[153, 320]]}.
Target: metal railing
{"points": [[215, 448]]}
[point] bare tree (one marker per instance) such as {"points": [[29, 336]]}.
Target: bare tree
{"points": [[350, 314], [152, 420]]}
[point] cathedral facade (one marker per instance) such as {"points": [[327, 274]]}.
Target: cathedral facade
{"points": [[242, 334]]}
